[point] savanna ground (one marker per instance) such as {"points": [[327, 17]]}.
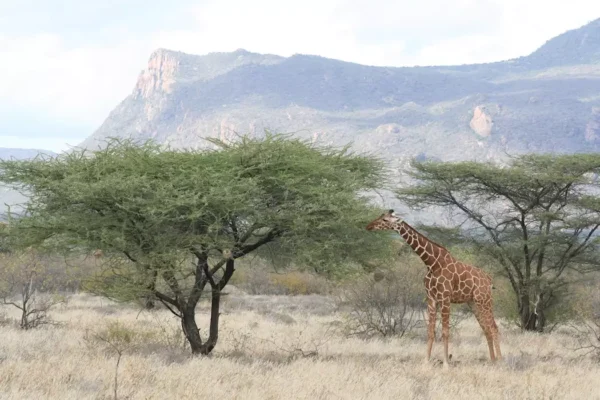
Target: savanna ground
{"points": [[278, 347]]}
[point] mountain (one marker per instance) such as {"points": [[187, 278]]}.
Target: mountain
{"points": [[547, 101], [22, 154], [8, 196], [578, 46]]}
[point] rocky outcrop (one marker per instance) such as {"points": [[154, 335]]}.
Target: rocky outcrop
{"points": [[481, 123], [388, 128], [159, 76]]}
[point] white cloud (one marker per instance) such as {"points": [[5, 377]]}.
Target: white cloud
{"points": [[79, 85], [382, 32]]}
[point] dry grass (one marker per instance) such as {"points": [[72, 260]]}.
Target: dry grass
{"points": [[281, 351]]}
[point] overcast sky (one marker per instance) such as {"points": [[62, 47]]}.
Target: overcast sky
{"points": [[65, 64]]}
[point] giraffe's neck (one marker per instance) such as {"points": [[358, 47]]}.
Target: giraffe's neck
{"points": [[428, 251]]}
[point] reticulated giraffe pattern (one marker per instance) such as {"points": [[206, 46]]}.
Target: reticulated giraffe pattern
{"points": [[447, 281]]}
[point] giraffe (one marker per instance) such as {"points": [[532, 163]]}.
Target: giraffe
{"points": [[447, 281]]}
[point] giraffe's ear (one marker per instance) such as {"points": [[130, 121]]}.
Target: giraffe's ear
{"points": [[391, 211]]}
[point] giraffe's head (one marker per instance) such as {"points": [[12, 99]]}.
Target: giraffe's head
{"points": [[386, 221]]}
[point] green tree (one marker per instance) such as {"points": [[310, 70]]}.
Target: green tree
{"points": [[537, 217], [172, 223]]}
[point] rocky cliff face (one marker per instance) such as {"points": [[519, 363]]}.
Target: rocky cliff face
{"points": [[547, 101], [481, 122], [158, 77]]}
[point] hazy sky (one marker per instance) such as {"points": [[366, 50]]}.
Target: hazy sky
{"points": [[65, 64]]}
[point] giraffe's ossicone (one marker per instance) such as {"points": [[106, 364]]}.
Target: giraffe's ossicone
{"points": [[447, 281]]}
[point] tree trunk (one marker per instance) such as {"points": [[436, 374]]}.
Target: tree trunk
{"points": [[540, 311], [213, 335], [188, 320], [190, 329], [24, 319], [149, 303], [528, 318], [529, 321], [532, 319], [541, 320]]}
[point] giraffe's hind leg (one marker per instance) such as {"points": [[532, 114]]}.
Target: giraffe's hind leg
{"points": [[495, 336], [446, 329], [490, 322], [432, 311], [487, 329]]}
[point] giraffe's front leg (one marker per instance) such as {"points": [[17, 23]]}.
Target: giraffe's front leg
{"points": [[432, 311], [446, 329]]}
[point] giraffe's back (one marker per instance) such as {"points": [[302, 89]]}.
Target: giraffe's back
{"points": [[470, 284], [460, 282]]}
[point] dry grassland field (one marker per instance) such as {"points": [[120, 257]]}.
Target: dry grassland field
{"points": [[278, 347]]}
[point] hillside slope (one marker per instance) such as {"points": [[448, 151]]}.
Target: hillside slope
{"points": [[548, 101]]}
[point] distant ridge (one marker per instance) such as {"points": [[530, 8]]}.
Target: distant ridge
{"points": [[547, 101]]}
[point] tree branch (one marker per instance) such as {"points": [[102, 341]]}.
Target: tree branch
{"points": [[240, 252], [129, 256]]}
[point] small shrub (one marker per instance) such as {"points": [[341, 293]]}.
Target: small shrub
{"points": [[279, 317], [4, 320], [299, 283], [259, 281], [253, 281], [26, 283], [388, 304], [117, 338], [586, 326]]}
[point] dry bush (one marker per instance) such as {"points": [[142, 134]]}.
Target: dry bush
{"points": [[118, 338], [300, 283], [27, 284], [313, 304], [298, 342], [259, 281], [71, 273], [390, 303], [586, 326], [4, 319]]}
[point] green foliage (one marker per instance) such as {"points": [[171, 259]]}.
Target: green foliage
{"points": [[171, 222], [151, 203], [535, 219]]}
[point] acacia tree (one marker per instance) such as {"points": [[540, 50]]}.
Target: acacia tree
{"points": [[538, 217], [172, 223]]}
